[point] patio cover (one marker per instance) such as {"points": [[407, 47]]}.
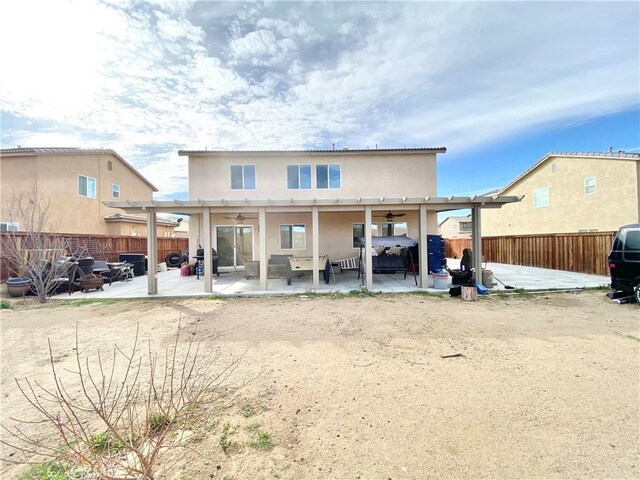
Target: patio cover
{"points": [[395, 241]]}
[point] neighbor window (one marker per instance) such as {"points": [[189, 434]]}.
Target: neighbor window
{"points": [[358, 231], [541, 197], [328, 176], [390, 229], [115, 190], [109, 165], [465, 226], [86, 186], [293, 237], [243, 177], [554, 168], [299, 177], [9, 226], [589, 185]]}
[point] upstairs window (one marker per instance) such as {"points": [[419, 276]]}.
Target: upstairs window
{"points": [[86, 186], [243, 177], [589, 185], [299, 177], [328, 176], [293, 237], [541, 197], [465, 227], [115, 190]]}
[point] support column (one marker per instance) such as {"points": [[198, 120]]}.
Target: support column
{"points": [[152, 252], [207, 245], [368, 274], [423, 247], [476, 242], [262, 227], [315, 226]]}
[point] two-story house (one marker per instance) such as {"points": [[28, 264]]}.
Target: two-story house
{"points": [[571, 192], [456, 226], [250, 205], [76, 182]]}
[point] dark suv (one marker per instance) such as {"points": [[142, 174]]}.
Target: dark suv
{"points": [[624, 260]]}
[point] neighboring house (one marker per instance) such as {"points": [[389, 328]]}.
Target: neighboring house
{"points": [[136, 225], [77, 182], [254, 205], [456, 227], [182, 230], [571, 192]]}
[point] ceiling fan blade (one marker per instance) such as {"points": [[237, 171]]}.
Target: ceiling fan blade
{"points": [[399, 214]]}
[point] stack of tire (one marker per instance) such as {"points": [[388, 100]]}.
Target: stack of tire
{"points": [[137, 260], [176, 259]]}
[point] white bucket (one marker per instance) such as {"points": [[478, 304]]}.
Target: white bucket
{"points": [[487, 278], [162, 267], [440, 281]]}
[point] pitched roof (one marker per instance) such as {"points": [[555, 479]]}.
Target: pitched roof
{"points": [[456, 218], [72, 151], [605, 155], [119, 217], [298, 152]]}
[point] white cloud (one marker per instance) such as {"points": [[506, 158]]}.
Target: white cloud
{"points": [[147, 78]]}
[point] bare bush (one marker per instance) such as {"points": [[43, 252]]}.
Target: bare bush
{"points": [[119, 425], [33, 251]]}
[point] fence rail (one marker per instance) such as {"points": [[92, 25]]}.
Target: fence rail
{"points": [[105, 247], [575, 252]]}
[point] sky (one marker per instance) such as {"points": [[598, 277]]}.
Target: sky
{"points": [[499, 84]]}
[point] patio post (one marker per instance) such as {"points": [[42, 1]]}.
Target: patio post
{"points": [[208, 273], [262, 228], [423, 246], [316, 246], [476, 243], [152, 252], [368, 275]]}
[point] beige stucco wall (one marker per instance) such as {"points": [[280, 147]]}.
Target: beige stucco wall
{"points": [[615, 202], [56, 177], [137, 229], [363, 175]]}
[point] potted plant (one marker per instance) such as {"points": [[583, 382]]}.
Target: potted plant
{"points": [[18, 286]]}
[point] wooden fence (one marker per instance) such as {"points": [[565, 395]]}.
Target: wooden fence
{"points": [[105, 247], [574, 252]]}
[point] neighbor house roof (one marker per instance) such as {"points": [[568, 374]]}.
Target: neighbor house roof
{"points": [[119, 217], [605, 155], [456, 218], [344, 151], [71, 151]]}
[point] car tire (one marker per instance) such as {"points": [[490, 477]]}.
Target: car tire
{"points": [[174, 259], [636, 293]]}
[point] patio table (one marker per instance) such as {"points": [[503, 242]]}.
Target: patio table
{"points": [[305, 264]]}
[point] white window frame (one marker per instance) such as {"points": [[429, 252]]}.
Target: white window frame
{"points": [[95, 186], [374, 232], [536, 199], [465, 230], [310, 175], [292, 225], [588, 185], [329, 165], [115, 190], [244, 165], [9, 226]]}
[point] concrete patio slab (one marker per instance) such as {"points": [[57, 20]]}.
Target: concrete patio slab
{"points": [[171, 284]]}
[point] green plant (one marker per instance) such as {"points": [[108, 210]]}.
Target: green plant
{"points": [[5, 304], [51, 471], [105, 442], [262, 441], [362, 292], [158, 422], [253, 427], [247, 411], [224, 441]]}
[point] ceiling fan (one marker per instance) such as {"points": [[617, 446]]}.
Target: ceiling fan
{"points": [[390, 216], [241, 218]]}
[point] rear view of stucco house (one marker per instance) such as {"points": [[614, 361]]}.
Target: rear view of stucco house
{"points": [[76, 182], [571, 192], [257, 205], [456, 227]]}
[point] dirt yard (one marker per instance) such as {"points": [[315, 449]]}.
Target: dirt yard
{"points": [[355, 388]]}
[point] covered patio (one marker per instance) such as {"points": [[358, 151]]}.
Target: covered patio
{"points": [[267, 213]]}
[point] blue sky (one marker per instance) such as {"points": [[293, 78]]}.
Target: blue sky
{"points": [[499, 84]]}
